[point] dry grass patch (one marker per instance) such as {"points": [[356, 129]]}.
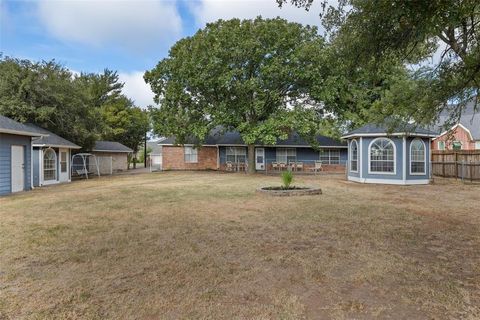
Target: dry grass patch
{"points": [[205, 245]]}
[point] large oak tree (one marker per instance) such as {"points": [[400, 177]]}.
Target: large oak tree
{"points": [[441, 35], [254, 76]]}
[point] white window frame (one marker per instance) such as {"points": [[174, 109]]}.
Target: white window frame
{"points": [[55, 175], [394, 157], [63, 161], [279, 151], [424, 158], [329, 152], [191, 153], [351, 155], [236, 152], [477, 145], [439, 143]]}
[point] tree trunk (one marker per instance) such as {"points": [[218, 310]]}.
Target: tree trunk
{"points": [[251, 159]]}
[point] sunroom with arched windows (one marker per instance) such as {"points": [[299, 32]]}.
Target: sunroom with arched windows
{"points": [[380, 155]]}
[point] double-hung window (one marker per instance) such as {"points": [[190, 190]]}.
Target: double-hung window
{"points": [[330, 156], [286, 155], [191, 155], [236, 154]]}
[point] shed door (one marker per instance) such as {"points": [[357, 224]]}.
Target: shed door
{"points": [[18, 169], [64, 165]]}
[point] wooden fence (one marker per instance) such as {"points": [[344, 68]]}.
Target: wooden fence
{"points": [[463, 164]]}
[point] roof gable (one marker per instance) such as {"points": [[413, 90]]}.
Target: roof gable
{"points": [[10, 126]]}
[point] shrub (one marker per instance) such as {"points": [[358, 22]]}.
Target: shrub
{"points": [[287, 178]]}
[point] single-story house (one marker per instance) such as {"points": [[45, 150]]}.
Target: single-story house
{"points": [[15, 156], [51, 158], [227, 151], [464, 135], [112, 156], [378, 155]]}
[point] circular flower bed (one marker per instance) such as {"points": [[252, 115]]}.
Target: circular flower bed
{"points": [[292, 191]]}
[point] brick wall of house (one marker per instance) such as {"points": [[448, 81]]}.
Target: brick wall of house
{"points": [[173, 159], [459, 134]]}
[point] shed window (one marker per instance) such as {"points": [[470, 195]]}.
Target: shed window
{"points": [[236, 154], [354, 156], [191, 155], [330, 156], [382, 156], [49, 165], [286, 155], [63, 161], [417, 157]]}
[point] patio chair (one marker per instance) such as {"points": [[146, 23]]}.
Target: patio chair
{"points": [[274, 166], [229, 165], [282, 166], [299, 166], [317, 167]]}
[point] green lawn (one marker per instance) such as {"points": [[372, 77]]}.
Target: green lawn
{"points": [[205, 245]]}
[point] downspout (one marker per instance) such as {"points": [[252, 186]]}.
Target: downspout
{"points": [[360, 162], [31, 163], [404, 159]]}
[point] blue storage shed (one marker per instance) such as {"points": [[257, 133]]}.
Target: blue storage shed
{"points": [[15, 156]]}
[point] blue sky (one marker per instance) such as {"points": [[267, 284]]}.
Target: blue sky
{"points": [[129, 36]]}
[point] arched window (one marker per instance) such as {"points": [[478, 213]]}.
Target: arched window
{"points": [[354, 156], [49, 165], [382, 156], [417, 157]]}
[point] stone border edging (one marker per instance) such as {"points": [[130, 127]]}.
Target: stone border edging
{"points": [[287, 193]]}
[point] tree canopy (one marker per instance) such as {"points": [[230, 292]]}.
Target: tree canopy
{"points": [[442, 36], [253, 76], [81, 108]]}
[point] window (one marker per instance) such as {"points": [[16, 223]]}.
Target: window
{"points": [[49, 165], [330, 156], [286, 155], [354, 156], [382, 156], [63, 161], [191, 155], [236, 154], [417, 157], [457, 145], [441, 145], [477, 145]]}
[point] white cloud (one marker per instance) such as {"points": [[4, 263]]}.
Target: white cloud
{"points": [[135, 25], [136, 89], [212, 10]]}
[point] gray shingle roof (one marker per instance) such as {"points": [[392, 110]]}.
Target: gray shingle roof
{"points": [[217, 137], [8, 125], [110, 146], [378, 129], [155, 147], [470, 119], [51, 139]]}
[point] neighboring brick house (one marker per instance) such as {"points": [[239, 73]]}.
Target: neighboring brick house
{"points": [[114, 150], [227, 151], [465, 135]]}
